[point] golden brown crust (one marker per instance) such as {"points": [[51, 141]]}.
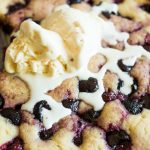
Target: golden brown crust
{"points": [[119, 46], [112, 115], [67, 90], [138, 37], [125, 25], [132, 10], [141, 72], [82, 6], [96, 62], [110, 81], [93, 139], [14, 90]]}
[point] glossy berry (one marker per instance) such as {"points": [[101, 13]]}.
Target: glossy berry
{"points": [[106, 14], [123, 67], [89, 86], [1, 102], [118, 139], [15, 7], [72, 104], [70, 2], [38, 109], [110, 96], [133, 106], [147, 47], [118, 1], [78, 140], [13, 115], [146, 7], [146, 101], [147, 42], [45, 134], [90, 115], [16, 145]]}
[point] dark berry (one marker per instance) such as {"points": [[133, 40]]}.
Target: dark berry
{"points": [[146, 101], [146, 7], [16, 145], [15, 7], [106, 14], [90, 115], [38, 109], [110, 96], [118, 139], [120, 84], [7, 29], [89, 86], [147, 47], [78, 140], [72, 104], [1, 101], [70, 2], [147, 42], [45, 134], [13, 115], [133, 106], [118, 1], [124, 67]]}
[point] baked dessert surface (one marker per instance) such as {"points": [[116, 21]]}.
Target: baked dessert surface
{"points": [[75, 76]]}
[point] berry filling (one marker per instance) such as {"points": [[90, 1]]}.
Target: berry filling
{"points": [[106, 14], [110, 96], [133, 106], [90, 115], [146, 101], [89, 86], [78, 135], [70, 2], [72, 104], [1, 101], [147, 42], [16, 144], [146, 7], [118, 1], [46, 134], [13, 115], [38, 109], [118, 140]]}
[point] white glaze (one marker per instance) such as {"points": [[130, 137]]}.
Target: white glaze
{"points": [[105, 7]]}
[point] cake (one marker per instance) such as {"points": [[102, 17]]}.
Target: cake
{"points": [[75, 75]]}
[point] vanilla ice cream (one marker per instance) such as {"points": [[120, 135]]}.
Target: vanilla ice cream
{"points": [[36, 50]]}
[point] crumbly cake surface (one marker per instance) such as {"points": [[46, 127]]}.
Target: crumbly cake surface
{"points": [[91, 100]]}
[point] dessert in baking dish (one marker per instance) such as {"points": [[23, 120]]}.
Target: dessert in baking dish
{"points": [[79, 79]]}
